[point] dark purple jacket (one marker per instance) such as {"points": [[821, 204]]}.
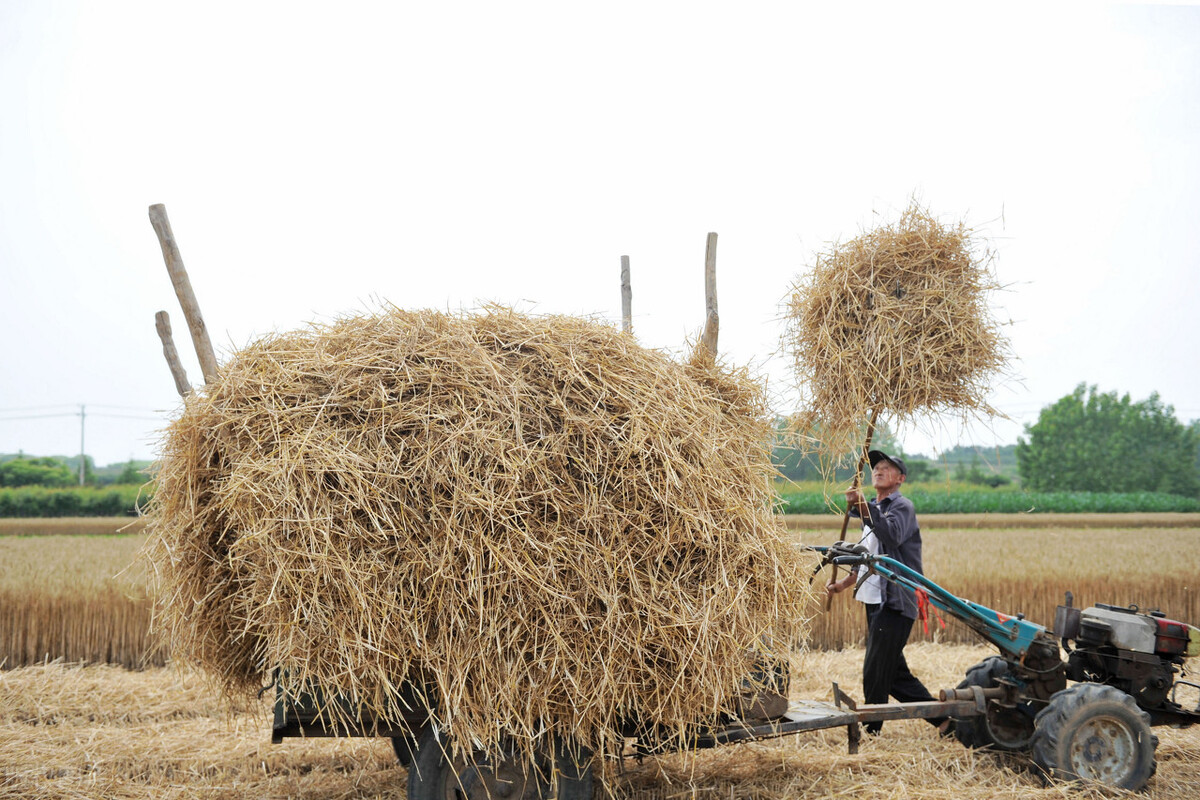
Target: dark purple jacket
{"points": [[894, 521]]}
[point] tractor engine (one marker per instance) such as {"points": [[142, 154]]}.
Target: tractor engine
{"points": [[1138, 653]]}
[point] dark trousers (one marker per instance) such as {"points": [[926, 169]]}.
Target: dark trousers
{"points": [[885, 672]]}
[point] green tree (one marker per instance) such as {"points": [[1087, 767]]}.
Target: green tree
{"points": [[47, 471], [130, 474], [798, 456], [1092, 441], [1194, 427], [791, 457], [919, 469], [995, 460], [979, 476]]}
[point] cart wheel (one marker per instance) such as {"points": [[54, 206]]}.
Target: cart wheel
{"points": [[1095, 733], [1007, 728], [434, 775]]}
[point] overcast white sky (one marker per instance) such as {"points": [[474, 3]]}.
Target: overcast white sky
{"points": [[318, 159]]}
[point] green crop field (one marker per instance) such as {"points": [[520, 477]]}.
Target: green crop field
{"points": [[959, 498]]}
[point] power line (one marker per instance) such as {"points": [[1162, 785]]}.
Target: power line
{"points": [[49, 406], [82, 414], [145, 416]]}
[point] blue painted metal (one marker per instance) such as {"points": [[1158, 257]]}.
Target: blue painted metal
{"points": [[1013, 636]]}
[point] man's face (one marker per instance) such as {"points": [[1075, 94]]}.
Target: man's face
{"points": [[885, 477]]}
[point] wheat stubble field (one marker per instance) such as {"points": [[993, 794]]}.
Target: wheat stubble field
{"points": [[71, 731]]}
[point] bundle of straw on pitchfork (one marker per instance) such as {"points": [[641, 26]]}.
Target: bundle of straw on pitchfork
{"points": [[894, 322]]}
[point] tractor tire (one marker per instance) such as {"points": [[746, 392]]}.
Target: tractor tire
{"points": [[1095, 733], [1002, 727], [404, 747], [434, 775]]}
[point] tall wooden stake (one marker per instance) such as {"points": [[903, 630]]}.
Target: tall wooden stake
{"points": [[626, 297], [162, 322], [183, 290], [711, 320]]}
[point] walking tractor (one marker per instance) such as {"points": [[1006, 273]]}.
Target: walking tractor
{"points": [[1126, 667]]}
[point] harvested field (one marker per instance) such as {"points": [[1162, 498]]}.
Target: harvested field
{"points": [[1029, 570], [70, 526], [72, 732], [63, 597], [59, 592]]}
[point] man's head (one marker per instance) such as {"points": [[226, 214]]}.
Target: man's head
{"points": [[887, 472]]}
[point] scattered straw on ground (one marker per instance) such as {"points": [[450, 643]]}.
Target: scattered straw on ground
{"points": [[72, 732], [895, 320], [549, 525]]}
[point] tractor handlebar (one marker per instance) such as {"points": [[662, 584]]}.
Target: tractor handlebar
{"points": [[1012, 635], [842, 553]]}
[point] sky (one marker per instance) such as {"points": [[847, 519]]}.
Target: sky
{"points": [[319, 160]]}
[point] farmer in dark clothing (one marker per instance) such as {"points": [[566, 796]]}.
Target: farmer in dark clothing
{"points": [[889, 528]]}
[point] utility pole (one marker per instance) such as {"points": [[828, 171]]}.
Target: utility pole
{"points": [[82, 457]]}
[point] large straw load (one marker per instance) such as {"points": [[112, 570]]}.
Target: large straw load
{"points": [[553, 527], [896, 321]]}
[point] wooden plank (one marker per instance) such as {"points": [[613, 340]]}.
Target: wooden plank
{"points": [[183, 290], [800, 718], [807, 710], [926, 710]]}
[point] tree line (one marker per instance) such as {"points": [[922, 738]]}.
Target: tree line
{"points": [[1087, 441], [60, 473]]}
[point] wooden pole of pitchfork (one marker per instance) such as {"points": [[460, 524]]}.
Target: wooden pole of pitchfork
{"points": [[862, 460]]}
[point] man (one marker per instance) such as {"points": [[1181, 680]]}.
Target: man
{"points": [[889, 528]]}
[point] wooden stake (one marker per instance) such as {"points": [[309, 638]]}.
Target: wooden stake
{"points": [[711, 320], [862, 460], [163, 323], [183, 290], [626, 297]]}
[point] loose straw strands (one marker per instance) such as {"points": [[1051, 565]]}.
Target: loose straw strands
{"points": [[896, 319], [85, 732], [551, 527]]}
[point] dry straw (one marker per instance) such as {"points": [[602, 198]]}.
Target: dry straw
{"points": [[72, 732], [553, 528], [895, 320]]}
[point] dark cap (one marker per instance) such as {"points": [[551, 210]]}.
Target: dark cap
{"points": [[878, 455]]}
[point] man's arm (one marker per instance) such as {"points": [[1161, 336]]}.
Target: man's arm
{"points": [[857, 504], [833, 587]]}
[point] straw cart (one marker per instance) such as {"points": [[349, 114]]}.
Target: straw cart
{"points": [[584, 523]]}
